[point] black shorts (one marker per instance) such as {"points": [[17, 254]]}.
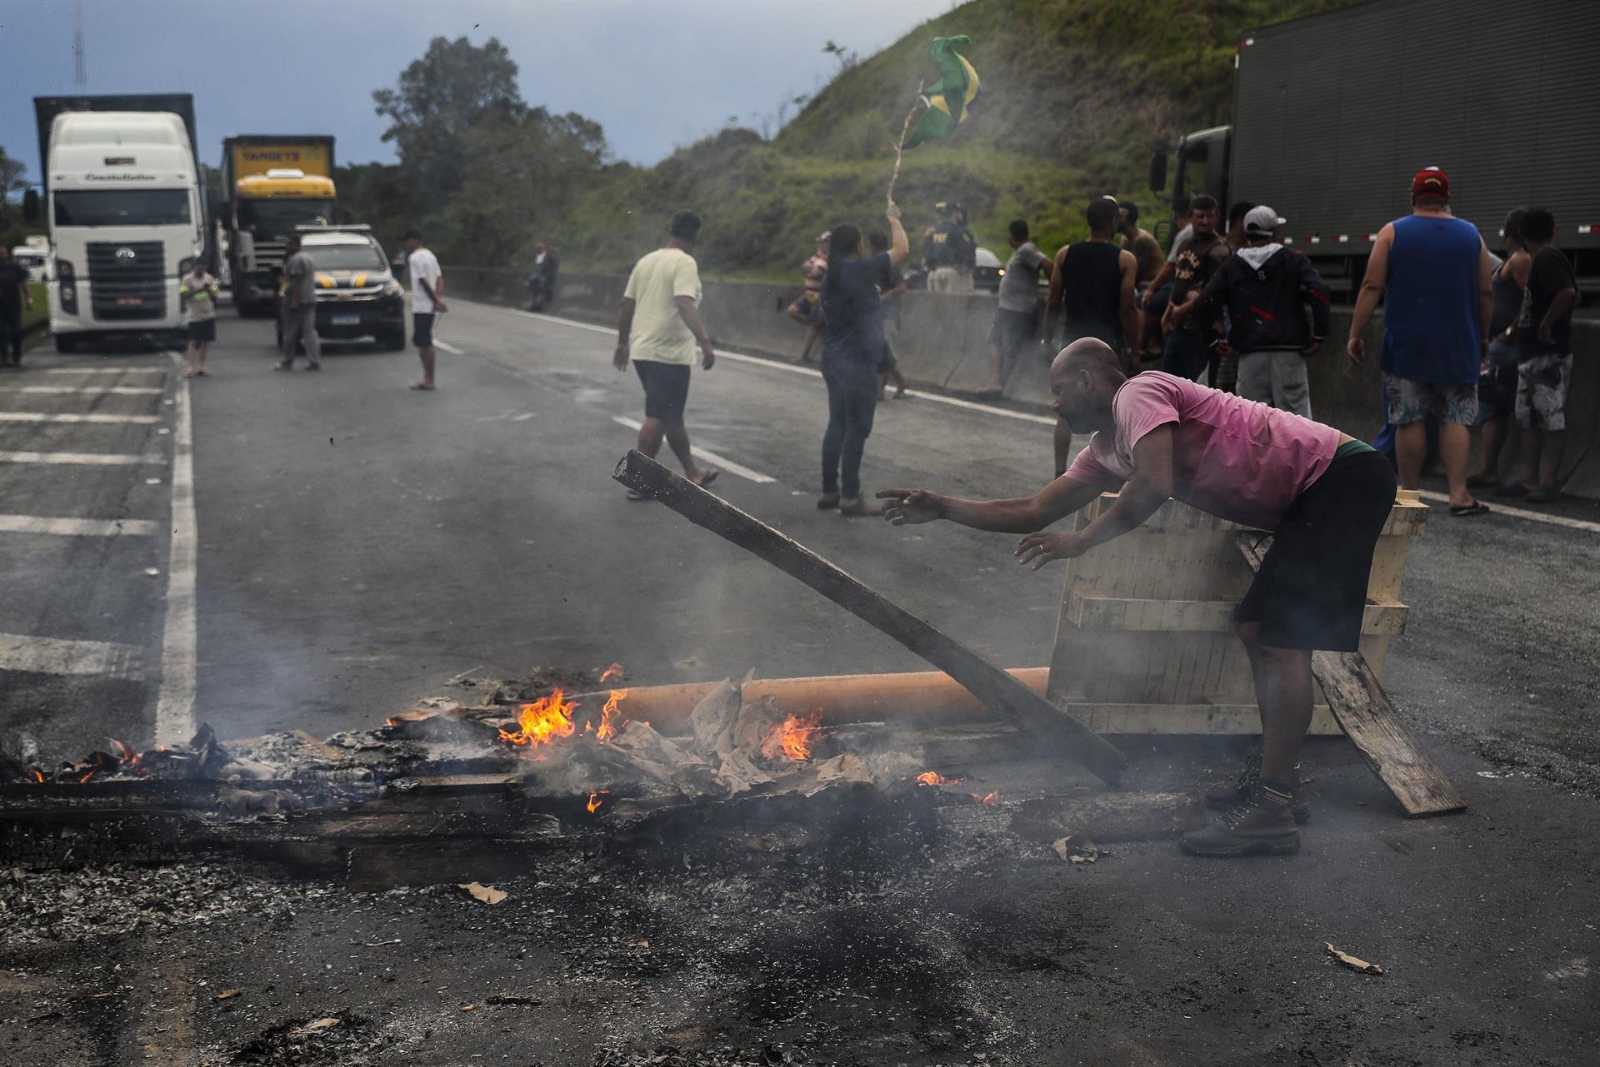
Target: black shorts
{"points": [[1311, 590], [422, 329], [666, 389], [203, 331], [1012, 330]]}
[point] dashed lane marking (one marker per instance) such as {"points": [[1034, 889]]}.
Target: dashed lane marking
{"points": [[89, 459], [105, 370], [710, 457], [452, 349], [51, 655], [110, 390], [40, 416], [36, 524], [1522, 513], [179, 661]]}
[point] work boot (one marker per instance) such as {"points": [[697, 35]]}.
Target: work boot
{"points": [[827, 501], [1261, 825], [1243, 787]]}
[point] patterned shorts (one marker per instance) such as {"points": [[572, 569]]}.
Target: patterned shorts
{"points": [[1407, 400], [1542, 392]]}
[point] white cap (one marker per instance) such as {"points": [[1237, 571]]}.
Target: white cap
{"points": [[1261, 221]]}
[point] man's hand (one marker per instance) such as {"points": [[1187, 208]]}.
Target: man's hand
{"points": [[707, 357], [1356, 348], [440, 306], [619, 358], [911, 506], [1042, 547], [1224, 349], [893, 211]]}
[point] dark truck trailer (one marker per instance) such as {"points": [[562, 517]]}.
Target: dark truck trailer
{"points": [[1333, 114]]}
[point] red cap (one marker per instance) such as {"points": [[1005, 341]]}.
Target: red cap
{"points": [[1431, 181]]}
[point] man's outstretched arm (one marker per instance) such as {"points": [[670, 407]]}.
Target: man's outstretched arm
{"points": [[1139, 499], [1055, 501]]}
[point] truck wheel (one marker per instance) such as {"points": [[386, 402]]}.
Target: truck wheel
{"points": [[66, 343]]}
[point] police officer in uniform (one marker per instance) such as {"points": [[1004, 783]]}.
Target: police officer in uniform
{"points": [[950, 251]]}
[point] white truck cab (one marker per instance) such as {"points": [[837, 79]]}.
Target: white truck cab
{"points": [[126, 222]]}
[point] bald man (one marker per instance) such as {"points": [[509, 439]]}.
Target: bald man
{"points": [[1324, 494]]}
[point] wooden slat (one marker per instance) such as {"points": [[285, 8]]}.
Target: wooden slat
{"points": [[1198, 719], [1357, 700], [1088, 608]]}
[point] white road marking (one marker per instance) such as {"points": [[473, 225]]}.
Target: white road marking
{"points": [[1522, 513], [175, 704], [105, 370], [91, 459], [770, 364], [39, 416], [50, 655], [452, 349], [710, 457], [35, 524], [110, 390]]}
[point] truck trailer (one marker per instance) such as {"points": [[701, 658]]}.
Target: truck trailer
{"points": [[123, 202], [1333, 114], [272, 184]]}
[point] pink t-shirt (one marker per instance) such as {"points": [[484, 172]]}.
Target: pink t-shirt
{"points": [[1232, 457]]}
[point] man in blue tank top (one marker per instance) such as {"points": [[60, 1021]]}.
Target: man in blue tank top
{"points": [[1433, 272]]}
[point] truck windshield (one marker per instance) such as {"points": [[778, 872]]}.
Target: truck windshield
{"points": [[346, 257], [282, 216], [122, 207]]}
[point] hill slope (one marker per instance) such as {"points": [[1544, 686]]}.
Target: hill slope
{"points": [[1076, 95]]}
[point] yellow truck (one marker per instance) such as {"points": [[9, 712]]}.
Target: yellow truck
{"points": [[273, 184]]}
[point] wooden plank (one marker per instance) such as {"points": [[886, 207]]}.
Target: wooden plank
{"points": [[999, 691], [1358, 701], [1195, 719], [1088, 608]]}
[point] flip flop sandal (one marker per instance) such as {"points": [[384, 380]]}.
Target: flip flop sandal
{"points": [[1466, 510], [422, 388]]}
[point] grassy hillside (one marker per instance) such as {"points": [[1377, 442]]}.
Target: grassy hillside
{"points": [[1076, 95]]}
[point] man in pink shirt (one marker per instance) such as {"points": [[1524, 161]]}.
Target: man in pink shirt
{"points": [[1325, 496]]}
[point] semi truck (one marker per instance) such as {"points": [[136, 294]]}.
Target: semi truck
{"points": [[1334, 113], [121, 196], [272, 184]]}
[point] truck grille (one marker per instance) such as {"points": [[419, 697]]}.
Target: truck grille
{"points": [[270, 253], [128, 280]]}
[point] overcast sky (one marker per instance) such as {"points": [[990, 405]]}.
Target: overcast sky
{"points": [[654, 73]]}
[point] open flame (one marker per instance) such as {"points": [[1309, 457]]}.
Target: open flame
{"points": [[542, 721], [990, 798], [613, 671], [792, 739], [610, 716], [597, 799], [935, 778]]}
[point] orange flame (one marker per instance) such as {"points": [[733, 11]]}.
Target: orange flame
{"points": [[542, 721], [609, 716], [935, 778], [992, 798], [613, 671], [38, 776], [792, 740], [597, 799]]}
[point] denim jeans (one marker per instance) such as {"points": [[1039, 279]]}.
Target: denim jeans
{"points": [[852, 401]]}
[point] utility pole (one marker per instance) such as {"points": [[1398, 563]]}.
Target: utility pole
{"points": [[80, 76]]}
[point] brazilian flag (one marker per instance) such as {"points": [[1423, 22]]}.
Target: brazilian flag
{"points": [[950, 97]]}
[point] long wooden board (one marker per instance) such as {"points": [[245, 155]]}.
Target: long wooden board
{"points": [[1357, 700], [999, 691]]}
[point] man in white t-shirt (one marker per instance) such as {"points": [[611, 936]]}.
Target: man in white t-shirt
{"points": [[659, 328], [427, 300]]}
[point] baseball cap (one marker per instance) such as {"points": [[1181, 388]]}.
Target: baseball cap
{"points": [[1431, 181], [1261, 221]]}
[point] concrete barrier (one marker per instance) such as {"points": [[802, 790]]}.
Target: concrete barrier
{"points": [[944, 345]]}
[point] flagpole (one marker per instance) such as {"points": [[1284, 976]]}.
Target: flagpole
{"points": [[899, 146]]}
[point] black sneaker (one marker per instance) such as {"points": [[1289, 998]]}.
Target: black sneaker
{"points": [[1261, 826], [1244, 787]]}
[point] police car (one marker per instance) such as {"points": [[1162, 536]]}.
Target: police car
{"points": [[357, 294]]}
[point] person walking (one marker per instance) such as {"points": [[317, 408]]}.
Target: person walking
{"points": [[1264, 289], [300, 307], [807, 307], [852, 349], [891, 285], [1185, 352], [542, 279], [1544, 360], [427, 301], [1140, 241], [197, 292], [659, 329], [1016, 318], [1497, 378], [1323, 494], [949, 250], [14, 297], [1433, 272], [1092, 287]]}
